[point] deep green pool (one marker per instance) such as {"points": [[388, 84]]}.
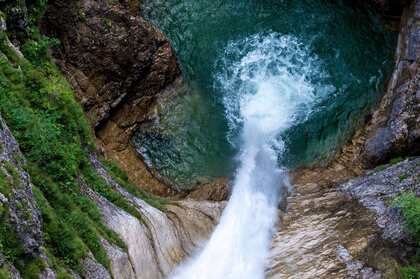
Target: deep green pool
{"points": [[192, 142]]}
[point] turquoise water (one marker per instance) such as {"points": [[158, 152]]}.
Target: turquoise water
{"points": [[195, 139]]}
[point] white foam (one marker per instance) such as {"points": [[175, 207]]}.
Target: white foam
{"points": [[267, 89]]}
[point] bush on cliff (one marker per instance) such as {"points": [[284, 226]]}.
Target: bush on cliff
{"points": [[409, 203]]}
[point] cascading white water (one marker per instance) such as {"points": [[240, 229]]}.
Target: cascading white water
{"points": [[266, 80]]}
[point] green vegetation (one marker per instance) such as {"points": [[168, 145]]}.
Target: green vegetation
{"points": [[50, 126], [402, 177], [391, 162], [4, 274], [121, 178], [4, 184], [39, 107], [396, 160], [13, 251], [409, 203], [410, 273]]}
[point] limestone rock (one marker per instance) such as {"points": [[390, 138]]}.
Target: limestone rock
{"points": [[377, 189], [161, 239], [24, 214], [13, 272], [48, 273], [327, 233], [121, 266], [94, 270], [116, 61]]}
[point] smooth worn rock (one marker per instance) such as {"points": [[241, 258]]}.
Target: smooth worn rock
{"points": [[326, 234], [121, 266], [162, 238], [395, 126]]}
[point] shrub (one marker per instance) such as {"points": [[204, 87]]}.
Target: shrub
{"points": [[410, 273], [410, 206], [409, 203], [4, 274]]}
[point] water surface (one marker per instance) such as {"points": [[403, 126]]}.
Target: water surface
{"points": [[197, 139]]}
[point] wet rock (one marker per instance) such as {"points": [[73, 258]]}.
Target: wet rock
{"points": [[217, 190], [395, 127]]}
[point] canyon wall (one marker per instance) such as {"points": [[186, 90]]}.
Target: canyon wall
{"points": [[118, 64]]}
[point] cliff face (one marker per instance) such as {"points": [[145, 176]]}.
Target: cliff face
{"points": [[64, 211], [118, 64], [395, 127], [161, 239], [17, 203], [156, 243], [340, 228]]}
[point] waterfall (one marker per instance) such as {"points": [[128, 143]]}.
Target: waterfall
{"points": [[266, 82]]}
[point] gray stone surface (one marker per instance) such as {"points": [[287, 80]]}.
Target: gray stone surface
{"points": [[24, 213], [377, 189]]}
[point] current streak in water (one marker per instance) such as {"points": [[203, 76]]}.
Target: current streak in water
{"points": [[267, 90]]}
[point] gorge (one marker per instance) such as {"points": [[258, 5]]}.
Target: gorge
{"points": [[277, 139]]}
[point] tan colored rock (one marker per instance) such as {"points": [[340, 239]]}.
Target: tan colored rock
{"points": [[162, 238]]}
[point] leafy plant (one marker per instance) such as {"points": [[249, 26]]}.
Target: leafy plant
{"points": [[409, 204]]}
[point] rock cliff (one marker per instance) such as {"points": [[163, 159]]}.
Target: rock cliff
{"points": [[340, 228], [156, 242], [394, 129], [118, 64], [334, 225]]}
